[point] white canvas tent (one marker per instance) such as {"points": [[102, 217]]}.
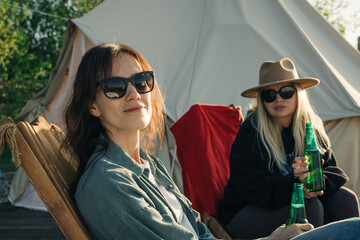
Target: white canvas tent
{"points": [[208, 51]]}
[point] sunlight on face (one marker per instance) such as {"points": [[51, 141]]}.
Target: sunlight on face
{"points": [[129, 113]]}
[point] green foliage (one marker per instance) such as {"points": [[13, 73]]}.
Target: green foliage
{"points": [[31, 35], [6, 161], [333, 11], [32, 32]]}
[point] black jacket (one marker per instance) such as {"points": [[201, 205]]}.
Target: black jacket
{"points": [[251, 181]]}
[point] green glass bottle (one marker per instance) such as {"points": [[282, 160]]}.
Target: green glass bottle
{"points": [[315, 181], [297, 211]]}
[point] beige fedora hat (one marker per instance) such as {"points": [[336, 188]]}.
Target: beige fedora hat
{"points": [[283, 71]]}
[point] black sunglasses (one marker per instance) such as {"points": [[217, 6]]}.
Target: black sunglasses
{"points": [[115, 87], [285, 92]]}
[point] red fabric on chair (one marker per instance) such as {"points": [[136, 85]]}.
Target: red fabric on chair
{"points": [[204, 136]]}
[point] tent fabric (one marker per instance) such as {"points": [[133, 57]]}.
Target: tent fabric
{"points": [[55, 107], [204, 136], [167, 154], [188, 42], [208, 51], [345, 145]]}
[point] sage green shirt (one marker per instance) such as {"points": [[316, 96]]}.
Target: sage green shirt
{"points": [[117, 200]]}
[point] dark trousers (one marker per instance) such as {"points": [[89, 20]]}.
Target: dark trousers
{"points": [[255, 222]]}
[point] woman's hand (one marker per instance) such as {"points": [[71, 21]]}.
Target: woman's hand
{"points": [[309, 195], [301, 172], [300, 169], [290, 232]]}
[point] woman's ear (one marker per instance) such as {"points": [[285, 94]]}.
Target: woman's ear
{"points": [[94, 110]]}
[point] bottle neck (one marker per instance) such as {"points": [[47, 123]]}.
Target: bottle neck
{"points": [[297, 196], [310, 139]]}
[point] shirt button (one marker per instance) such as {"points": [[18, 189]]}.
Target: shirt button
{"points": [[171, 186]]}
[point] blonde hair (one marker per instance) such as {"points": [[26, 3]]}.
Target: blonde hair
{"points": [[270, 129]]}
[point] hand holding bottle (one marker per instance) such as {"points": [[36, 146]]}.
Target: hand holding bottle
{"points": [[301, 172], [290, 232], [300, 168]]}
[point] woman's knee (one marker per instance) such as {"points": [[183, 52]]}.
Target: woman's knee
{"points": [[346, 194], [341, 205], [314, 211], [255, 222], [348, 198]]}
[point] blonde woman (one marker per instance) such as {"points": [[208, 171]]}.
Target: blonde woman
{"points": [[257, 196]]}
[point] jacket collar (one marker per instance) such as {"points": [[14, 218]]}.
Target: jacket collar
{"points": [[117, 155]]}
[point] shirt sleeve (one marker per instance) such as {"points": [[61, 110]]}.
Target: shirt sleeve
{"points": [[334, 176], [252, 178]]}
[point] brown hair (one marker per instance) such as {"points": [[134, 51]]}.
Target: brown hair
{"points": [[83, 129]]}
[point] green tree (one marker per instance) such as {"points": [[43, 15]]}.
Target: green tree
{"points": [[31, 35], [333, 11]]}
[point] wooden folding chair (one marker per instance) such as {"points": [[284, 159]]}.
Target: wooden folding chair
{"points": [[37, 149]]}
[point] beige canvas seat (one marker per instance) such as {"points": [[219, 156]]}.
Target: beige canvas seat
{"points": [[36, 147]]}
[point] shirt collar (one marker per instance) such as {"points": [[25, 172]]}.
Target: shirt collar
{"points": [[117, 155]]}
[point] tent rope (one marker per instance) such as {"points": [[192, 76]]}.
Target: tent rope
{"points": [[7, 134]]}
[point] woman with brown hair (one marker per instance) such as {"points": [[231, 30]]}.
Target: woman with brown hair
{"points": [[113, 119]]}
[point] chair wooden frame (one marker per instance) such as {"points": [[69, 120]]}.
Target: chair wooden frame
{"points": [[216, 228], [50, 169]]}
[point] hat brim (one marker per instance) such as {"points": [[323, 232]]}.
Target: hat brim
{"points": [[303, 82]]}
